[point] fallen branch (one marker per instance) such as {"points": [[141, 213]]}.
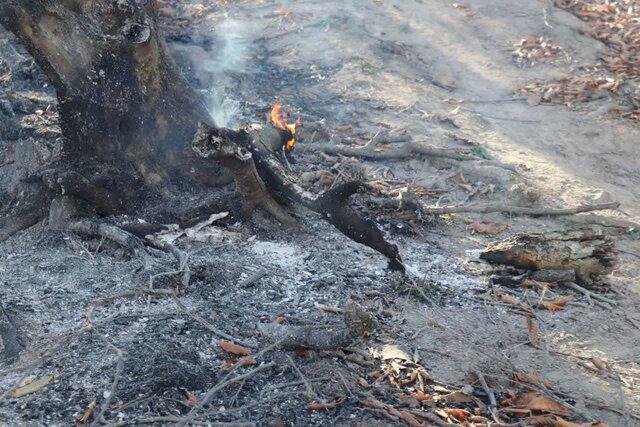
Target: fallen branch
{"points": [[493, 404], [588, 293], [518, 210], [406, 150]]}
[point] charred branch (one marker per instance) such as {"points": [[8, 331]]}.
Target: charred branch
{"points": [[261, 175]]}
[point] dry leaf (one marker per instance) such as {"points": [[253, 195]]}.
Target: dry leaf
{"points": [[31, 387], [477, 227], [363, 383], [421, 396], [456, 397], [457, 414], [599, 363], [88, 413], [557, 304], [191, 399], [317, 406], [532, 378], [534, 332], [534, 100], [506, 298], [329, 309], [534, 401], [554, 421], [281, 319], [232, 348]]}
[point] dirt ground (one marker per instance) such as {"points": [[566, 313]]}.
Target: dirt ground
{"points": [[357, 68]]}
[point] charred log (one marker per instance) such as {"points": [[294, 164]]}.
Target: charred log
{"points": [[584, 252]]}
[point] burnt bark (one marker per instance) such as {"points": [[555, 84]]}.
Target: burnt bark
{"points": [[587, 253], [126, 113]]}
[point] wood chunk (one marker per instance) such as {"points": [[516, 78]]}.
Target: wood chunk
{"points": [[585, 252]]}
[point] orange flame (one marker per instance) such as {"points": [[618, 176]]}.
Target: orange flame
{"points": [[279, 121]]}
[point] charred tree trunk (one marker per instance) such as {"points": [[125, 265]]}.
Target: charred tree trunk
{"points": [[126, 113], [129, 119]]}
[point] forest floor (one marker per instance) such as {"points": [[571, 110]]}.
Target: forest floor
{"points": [[450, 74]]}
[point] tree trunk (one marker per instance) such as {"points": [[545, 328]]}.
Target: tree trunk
{"points": [[126, 113], [129, 120]]}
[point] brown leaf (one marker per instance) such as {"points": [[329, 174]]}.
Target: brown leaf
{"points": [[534, 401], [555, 421], [232, 348], [421, 396], [31, 387], [363, 383], [457, 413], [558, 303], [506, 298], [281, 319], [191, 399], [329, 309], [532, 378], [477, 227], [599, 363], [534, 332], [318, 406], [534, 100], [88, 413], [456, 397]]}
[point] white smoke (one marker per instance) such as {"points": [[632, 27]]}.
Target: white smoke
{"points": [[227, 58]]}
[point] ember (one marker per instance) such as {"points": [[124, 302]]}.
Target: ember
{"points": [[279, 120]]}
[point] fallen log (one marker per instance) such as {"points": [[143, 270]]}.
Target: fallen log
{"points": [[356, 323], [589, 254], [317, 338]]}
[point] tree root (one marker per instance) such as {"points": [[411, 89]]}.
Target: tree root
{"points": [[269, 180], [406, 150]]}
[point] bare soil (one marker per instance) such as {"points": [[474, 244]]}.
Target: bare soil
{"points": [[357, 68]]}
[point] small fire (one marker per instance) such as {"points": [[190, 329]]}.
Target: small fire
{"points": [[279, 120]]}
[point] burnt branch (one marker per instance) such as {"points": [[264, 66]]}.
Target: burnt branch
{"points": [[260, 176]]}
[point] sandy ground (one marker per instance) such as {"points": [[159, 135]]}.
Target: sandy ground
{"points": [[390, 65]]}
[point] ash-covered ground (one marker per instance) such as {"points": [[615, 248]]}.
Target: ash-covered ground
{"points": [[349, 77]]}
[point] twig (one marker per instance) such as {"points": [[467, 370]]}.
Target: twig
{"points": [[588, 293], [208, 325], [225, 382], [311, 394], [252, 278], [114, 384], [493, 404]]}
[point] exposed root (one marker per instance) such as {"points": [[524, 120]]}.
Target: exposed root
{"points": [[405, 150]]}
